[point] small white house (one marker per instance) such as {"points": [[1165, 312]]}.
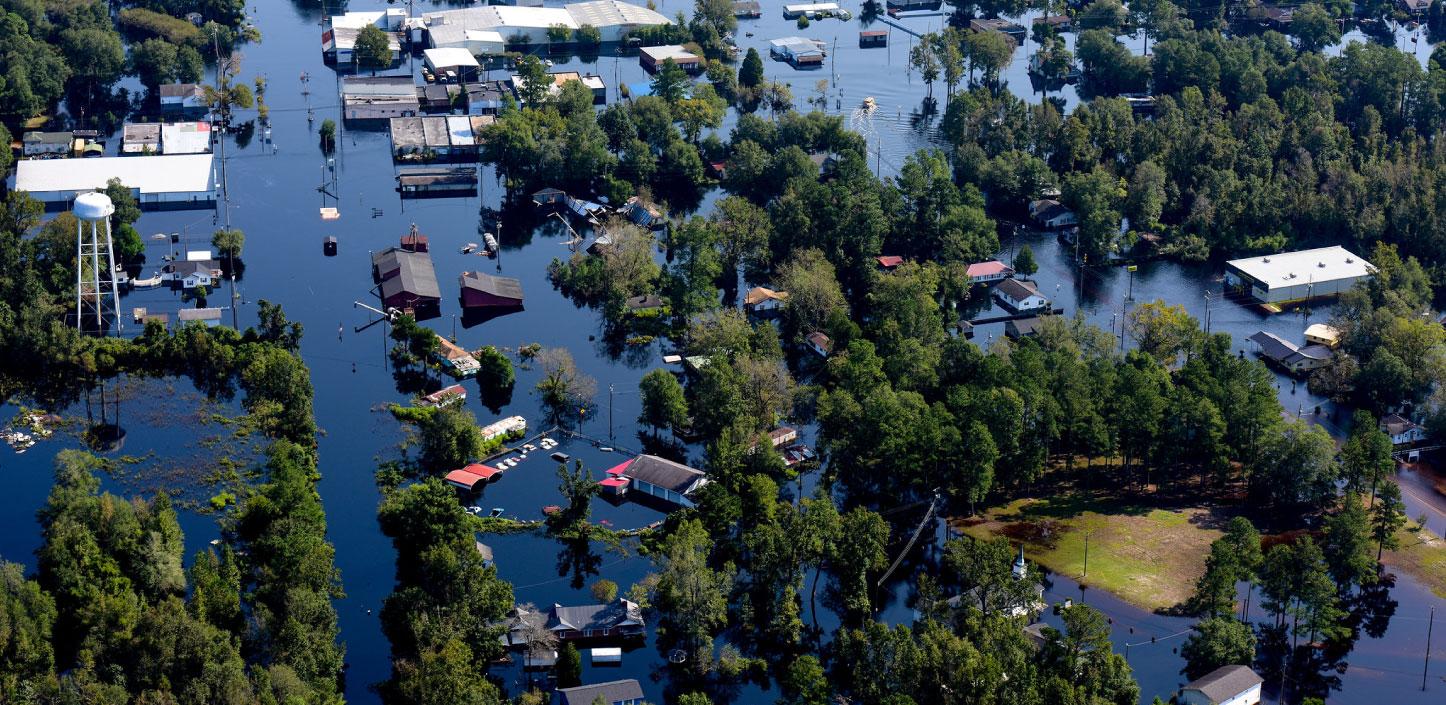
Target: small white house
{"points": [[819, 343], [1402, 430], [761, 299], [190, 274], [182, 98], [1227, 685], [37, 143], [1020, 295], [1051, 214]]}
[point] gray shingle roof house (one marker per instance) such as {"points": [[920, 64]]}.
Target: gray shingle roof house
{"points": [[407, 278], [619, 618], [623, 692], [664, 479], [1227, 685]]}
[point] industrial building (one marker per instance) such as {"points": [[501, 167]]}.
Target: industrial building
{"points": [[652, 58], [482, 29], [378, 97], [1297, 276], [163, 181], [186, 138]]}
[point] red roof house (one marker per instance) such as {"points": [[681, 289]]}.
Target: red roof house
{"points": [[889, 262]]}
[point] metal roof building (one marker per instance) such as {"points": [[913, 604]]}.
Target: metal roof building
{"points": [[186, 138], [163, 181], [1299, 275], [612, 18]]}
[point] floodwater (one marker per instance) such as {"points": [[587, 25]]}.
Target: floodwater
{"points": [[274, 198]]}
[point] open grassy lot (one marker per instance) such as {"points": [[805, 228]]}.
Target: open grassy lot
{"points": [[1423, 555], [1149, 557]]}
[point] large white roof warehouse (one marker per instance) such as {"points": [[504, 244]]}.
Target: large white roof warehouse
{"points": [[612, 18], [164, 181], [1297, 276]]}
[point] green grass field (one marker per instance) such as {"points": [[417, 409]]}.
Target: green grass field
{"points": [[1423, 555], [1146, 556]]}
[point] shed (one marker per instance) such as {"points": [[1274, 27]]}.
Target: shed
{"points": [[414, 240], [652, 58], [1227, 685], [873, 38], [481, 290], [1323, 334]]}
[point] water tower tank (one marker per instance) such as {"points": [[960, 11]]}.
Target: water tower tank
{"points": [[93, 206]]}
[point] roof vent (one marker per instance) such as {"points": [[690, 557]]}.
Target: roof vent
{"points": [[1265, 260], [1350, 260], [1320, 264]]}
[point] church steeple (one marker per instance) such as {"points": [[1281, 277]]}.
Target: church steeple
{"points": [[1020, 569]]}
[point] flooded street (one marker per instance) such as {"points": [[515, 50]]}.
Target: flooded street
{"points": [[275, 197]]}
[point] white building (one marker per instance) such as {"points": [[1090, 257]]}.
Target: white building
{"points": [[455, 59], [1020, 295], [1402, 430], [1051, 214], [1299, 275], [182, 98], [528, 25], [761, 299], [1227, 685], [186, 138], [163, 181], [38, 143], [809, 10]]}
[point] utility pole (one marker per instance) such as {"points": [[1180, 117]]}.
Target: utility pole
{"points": [[1427, 667], [610, 412], [1086, 557], [1207, 312]]}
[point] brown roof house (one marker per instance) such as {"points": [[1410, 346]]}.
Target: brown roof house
{"points": [[1235, 685], [481, 290]]}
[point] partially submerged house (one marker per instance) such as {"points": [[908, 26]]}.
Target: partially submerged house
{"points": [[407, 279], [1289, 356], [617, 619], [889, 263], [209, 316], [1323, 334], [1000, 25], [1227, 685], [182, 99], [669, 481], [819, 343], [446, 396], [1402, 430], [619, 692], [482, 290], [643, 214], [1051, 214], [1019, 295], [1021, 328], [990, 271], [762, 300], [456, 360], [800, 52], [437, 181], [189, 274]]}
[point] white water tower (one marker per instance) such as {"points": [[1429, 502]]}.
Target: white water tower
{"points": [[97, 294]]}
